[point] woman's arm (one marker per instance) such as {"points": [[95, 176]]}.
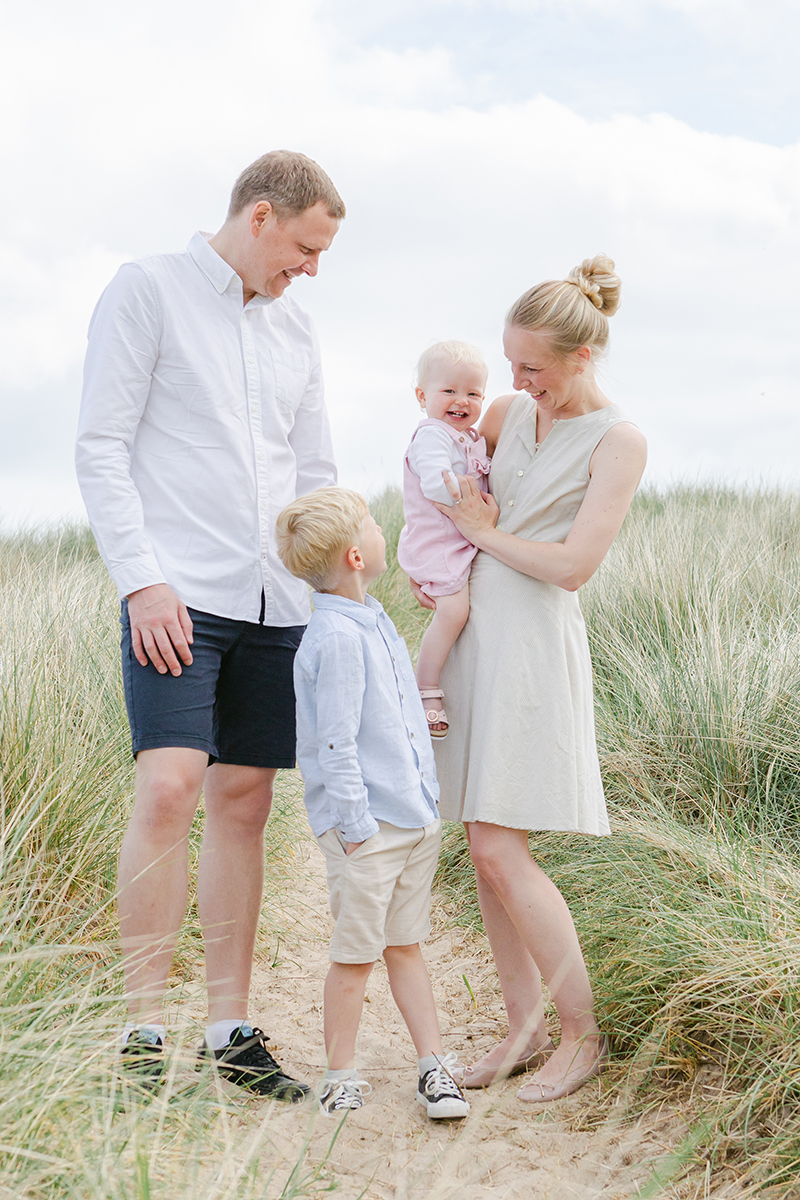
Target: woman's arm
{"points": [[616, 468]]}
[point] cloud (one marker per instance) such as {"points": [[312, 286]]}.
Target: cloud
{"points": [[138, 121]]}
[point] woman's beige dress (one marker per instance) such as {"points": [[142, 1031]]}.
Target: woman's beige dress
{"points": [[521, 748]]}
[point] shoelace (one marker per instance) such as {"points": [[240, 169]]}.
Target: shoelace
{"points": [[253, 1052], [346, 1090], [439, 1081]]}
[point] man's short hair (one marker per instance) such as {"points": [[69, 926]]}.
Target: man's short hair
{"points": [[313, 532], [290, 181]]}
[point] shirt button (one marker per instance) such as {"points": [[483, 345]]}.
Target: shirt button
{"points": [[461, 439], [511, 504], [254, 408], [412, 735], [251, 360], [263, 556], [520, 472], [261, 458]]}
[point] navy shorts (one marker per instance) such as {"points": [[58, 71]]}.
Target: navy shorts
{"points": [[235, 701]]}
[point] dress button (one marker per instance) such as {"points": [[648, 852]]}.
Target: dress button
{"points": [[461, 439]]}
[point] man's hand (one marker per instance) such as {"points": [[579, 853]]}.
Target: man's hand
{"points": [[349, 847], [161, 628]]}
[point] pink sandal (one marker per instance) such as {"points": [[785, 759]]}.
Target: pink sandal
{"points": [[435, 716]]}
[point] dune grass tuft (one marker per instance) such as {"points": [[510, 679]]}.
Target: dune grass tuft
{"points": [[690, 913]]}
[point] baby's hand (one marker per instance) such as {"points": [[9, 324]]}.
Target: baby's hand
{"points": [[422, 599]]}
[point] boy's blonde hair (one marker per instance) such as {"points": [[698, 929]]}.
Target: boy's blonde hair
{"points": [[448, 354], [314, 531]]}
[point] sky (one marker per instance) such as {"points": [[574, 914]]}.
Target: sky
{"points": [[479, 147]]}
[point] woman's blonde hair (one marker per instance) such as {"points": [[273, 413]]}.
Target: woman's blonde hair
{"points": [[575, 310], [313, 532]]}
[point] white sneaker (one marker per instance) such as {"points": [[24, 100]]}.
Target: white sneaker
{"points": [[338, 1094], [439, 1093]]}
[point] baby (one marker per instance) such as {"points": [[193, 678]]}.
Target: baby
{"points": [[451, 380]]}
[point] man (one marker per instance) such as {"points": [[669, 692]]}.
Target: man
{"points": [[202, 417]]}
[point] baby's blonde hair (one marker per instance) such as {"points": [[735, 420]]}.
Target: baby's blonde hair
{"points": [[573, 311], [314, 531], [449, 353]]}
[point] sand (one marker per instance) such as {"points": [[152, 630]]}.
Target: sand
{"points": [[583, 1146]]}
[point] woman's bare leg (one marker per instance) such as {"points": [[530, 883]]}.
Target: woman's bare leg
{"points": [[526, 909], [521, 983]]}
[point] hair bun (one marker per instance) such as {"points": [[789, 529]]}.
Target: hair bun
{"points": [[598, 282]]}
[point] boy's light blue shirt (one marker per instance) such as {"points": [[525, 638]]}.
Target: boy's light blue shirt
{"points": [[362, 739]]}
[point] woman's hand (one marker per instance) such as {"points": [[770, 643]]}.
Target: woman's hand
{"points": [[474, 512]]}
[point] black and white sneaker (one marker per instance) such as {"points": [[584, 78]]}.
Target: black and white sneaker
{"points": [[246, 1061], [439, 1093], [142, 1058], [337, 1095]]}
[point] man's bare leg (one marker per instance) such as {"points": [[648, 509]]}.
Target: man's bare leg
{"points": [[231, 881], [152, 872]]}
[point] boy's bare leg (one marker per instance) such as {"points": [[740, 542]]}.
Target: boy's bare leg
{"points": [[152, 872], [343, 1001], [413, 994], [230, 881]]}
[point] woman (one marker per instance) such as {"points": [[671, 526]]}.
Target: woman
{"points": [[521, 754]]}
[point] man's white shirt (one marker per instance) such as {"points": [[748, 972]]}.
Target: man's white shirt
{"points": [[201, 419]]}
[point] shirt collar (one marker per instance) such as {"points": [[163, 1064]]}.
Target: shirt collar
{"points": [[219, 273], [365, 614]]}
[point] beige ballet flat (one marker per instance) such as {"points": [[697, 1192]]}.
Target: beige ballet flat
{"points": [[482, 1077], [534, 1092]]}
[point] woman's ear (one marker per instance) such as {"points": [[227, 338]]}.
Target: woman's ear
{"points": [[583, 357]]}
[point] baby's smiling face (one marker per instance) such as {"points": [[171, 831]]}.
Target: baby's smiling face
{"points": [[453, 393]]}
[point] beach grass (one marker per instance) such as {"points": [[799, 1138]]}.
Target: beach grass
{"points": [[689, 914]]}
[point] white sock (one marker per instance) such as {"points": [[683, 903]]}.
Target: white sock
{"points": [[342, 1074], [219, 1034], [428, 1062], [146, 1027]]}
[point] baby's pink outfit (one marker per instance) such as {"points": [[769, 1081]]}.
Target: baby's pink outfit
{"points": [[431, 550]]}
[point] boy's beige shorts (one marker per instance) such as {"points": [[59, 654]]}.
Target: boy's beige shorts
{"points": [[381, 893]]}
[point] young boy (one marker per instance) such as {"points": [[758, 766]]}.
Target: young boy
{"points": [[370, 790]]}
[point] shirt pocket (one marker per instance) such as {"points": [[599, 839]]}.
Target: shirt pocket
{"points": [[292, 375]]}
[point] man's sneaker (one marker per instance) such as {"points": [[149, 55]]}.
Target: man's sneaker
{"points": [[339, 1094], [143, 1058], [439, 1093], [246, 1061]]}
